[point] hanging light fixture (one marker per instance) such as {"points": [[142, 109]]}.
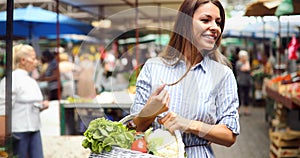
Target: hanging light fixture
{"points": [[104, 23]]}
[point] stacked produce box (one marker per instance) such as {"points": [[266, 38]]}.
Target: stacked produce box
{"points": [[285, 144], [284, 132]]}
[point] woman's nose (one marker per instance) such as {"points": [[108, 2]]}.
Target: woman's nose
{"points": [[214, 25]]}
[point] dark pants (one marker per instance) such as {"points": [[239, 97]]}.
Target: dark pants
{"points": [[53, 94], [244, 95], [28, 145]]}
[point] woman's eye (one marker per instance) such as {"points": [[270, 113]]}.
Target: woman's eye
{"points": [[204, 20]]}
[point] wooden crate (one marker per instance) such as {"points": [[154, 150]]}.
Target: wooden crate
{"points": [[285, 139], [285, 144], [278, 124], [2, 130], [284, 152]]}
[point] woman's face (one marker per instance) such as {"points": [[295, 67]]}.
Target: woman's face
{"points": [[243, 58], [206, 25], [30, 62]]}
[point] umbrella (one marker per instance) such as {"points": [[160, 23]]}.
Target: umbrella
{"points": [[269, 29], [249, 27], [269, 7], [274, 7], [35, 21], [288, 7], [262, 8], [74, 38]]}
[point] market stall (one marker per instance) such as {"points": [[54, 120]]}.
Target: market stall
{"points": [[76, 114], [284, 91]]}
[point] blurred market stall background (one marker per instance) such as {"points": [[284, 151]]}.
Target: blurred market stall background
{"points": [[103, 45]]}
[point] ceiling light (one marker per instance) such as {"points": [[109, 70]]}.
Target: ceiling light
{"points": [[105, 23]]}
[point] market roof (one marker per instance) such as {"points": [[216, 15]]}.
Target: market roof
{"points": [[122, 13]]}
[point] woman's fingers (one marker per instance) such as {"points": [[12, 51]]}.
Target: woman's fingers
{"points": [[167, 118], [166, 98], [159, 89], [173, 122], [157, 103], [170, 123]]}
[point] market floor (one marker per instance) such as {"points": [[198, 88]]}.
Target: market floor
{"points": [[253, 142]]}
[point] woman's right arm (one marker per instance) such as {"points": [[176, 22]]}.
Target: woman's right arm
{"points": [[156, 104]]}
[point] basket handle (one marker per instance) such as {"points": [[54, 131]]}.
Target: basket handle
{"points": [[127, 118], [180, 145]]}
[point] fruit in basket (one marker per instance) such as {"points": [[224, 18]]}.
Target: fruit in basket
{"points": [[139, 143], [102, 134]]}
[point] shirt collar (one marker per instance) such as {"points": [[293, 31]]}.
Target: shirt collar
{"points": [[22, 71], [202, 65]]}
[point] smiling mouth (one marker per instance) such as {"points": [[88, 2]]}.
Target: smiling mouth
{"points": [[210, 38]]}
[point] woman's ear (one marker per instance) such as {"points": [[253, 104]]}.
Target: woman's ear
{"points": [[22, 61]]}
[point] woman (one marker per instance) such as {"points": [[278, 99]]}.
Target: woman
{"points": [[244, 79], [27, 103], [198, 91]]}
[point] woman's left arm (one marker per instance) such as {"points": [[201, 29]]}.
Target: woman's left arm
{"points": [[218, 133], [226, 128]]}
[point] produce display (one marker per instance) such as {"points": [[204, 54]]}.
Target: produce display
{"points": [[79, 100], [102, 135], [287, 85]]}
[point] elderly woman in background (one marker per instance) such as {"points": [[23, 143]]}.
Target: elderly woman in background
{"points": [[244, 79], [27, 103]]}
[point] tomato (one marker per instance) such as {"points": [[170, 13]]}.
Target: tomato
{"points": [[139, 144]]}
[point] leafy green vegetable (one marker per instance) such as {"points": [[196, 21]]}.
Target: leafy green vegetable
{"points": [[102, 134]]}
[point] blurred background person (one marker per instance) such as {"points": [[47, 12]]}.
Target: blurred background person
{"points": [[67, 70], [27, 103], [50, 75], [85, 85], [244, 79]]}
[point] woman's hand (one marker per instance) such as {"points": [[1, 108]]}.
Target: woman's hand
{"points": [[45, 105], [173, 121], [218, 134], [157, 103]]}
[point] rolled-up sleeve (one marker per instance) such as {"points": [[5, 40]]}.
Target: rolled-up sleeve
{"points": [[143, 90], [228, 102]]}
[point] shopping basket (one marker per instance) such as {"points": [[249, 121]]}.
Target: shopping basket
{"points": [[118, 152]]}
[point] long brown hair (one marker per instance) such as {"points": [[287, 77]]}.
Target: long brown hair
{"points": [[182, 37]]}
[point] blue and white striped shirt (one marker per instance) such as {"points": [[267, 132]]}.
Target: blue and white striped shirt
{"points": [[208, 94]]}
